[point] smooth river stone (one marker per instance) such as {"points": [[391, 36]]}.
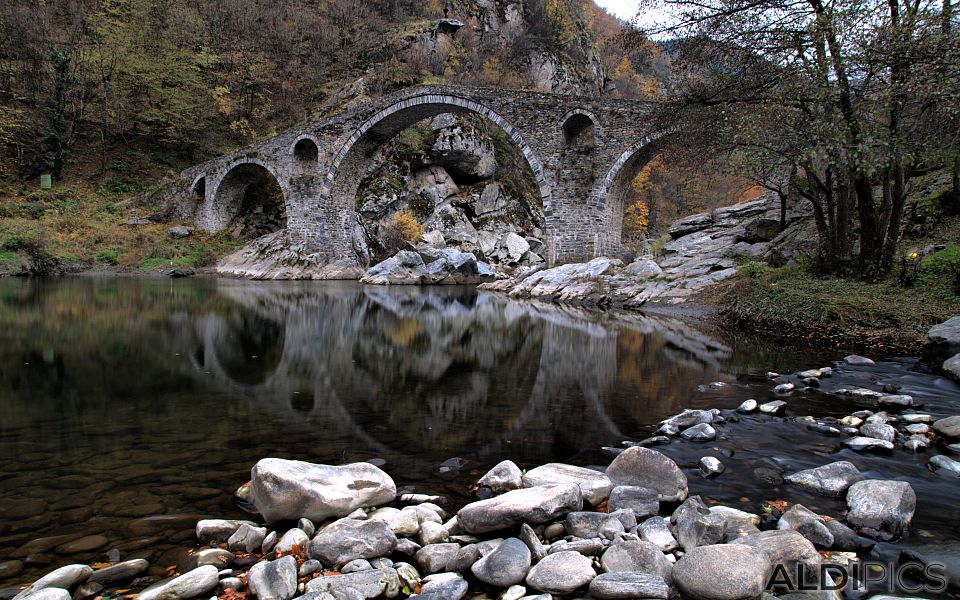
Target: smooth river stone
{"points": [[120, 572], [290, 489], [84, 544], [532, 505], [10, 568], [64, 578], [722, 572], [644, 467], [594, 486], [195, 583], [23, 509]]}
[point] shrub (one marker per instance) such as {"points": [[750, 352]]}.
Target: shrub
{"points": [[402, 227], [657, 247], [414, 141], [941, 270], [753, 269], [109, 257]]}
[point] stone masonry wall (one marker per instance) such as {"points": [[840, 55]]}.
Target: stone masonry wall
{"points": [[574, 177]]}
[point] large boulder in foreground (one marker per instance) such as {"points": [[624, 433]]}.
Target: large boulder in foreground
{"points": [[643, 467], [530, 505], [286, 490], [722, 572], [881, 509]]}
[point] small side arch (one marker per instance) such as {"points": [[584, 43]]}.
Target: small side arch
{"points": [[306, 150], [580, 129], [198, 190]]}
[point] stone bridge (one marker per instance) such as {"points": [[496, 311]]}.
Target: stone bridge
{"points": [[582, 151]]}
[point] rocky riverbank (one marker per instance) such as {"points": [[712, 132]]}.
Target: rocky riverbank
{"points": [[701, 250], [630, 529]]}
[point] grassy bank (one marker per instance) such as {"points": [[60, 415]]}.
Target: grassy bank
{"points": [[883, 317], [75, 228]]}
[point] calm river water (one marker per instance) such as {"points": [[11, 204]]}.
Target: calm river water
{"points": [[129, 408]]}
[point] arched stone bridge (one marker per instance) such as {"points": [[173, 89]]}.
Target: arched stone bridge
{"points": [[582, 151]]}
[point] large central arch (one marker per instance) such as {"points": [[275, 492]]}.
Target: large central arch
{"points": [[611, 191], [355, 155]]}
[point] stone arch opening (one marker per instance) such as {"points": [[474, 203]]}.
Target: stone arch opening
{"points": [[579, 132], [615, 188], [356, 157], [250, 201], [199, 190], [306, 151]]}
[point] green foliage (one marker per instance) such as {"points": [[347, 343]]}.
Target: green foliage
{"points": [[940, 272], [107, 256], [753, 269], [118, 186], [7, 257], [842, 313], [657, 246], [414, 141]]}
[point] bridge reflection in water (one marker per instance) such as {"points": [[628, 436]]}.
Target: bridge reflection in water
{"points": [[426, 372]]}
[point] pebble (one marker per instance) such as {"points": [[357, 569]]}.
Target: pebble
{"points": [[861, 444], [772, 408], [710, 465], [748, 406]]}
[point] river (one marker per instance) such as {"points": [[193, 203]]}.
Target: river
{"points": [[131, 407]]}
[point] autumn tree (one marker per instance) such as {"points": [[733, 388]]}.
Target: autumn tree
{"points": [[841, 96]]}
